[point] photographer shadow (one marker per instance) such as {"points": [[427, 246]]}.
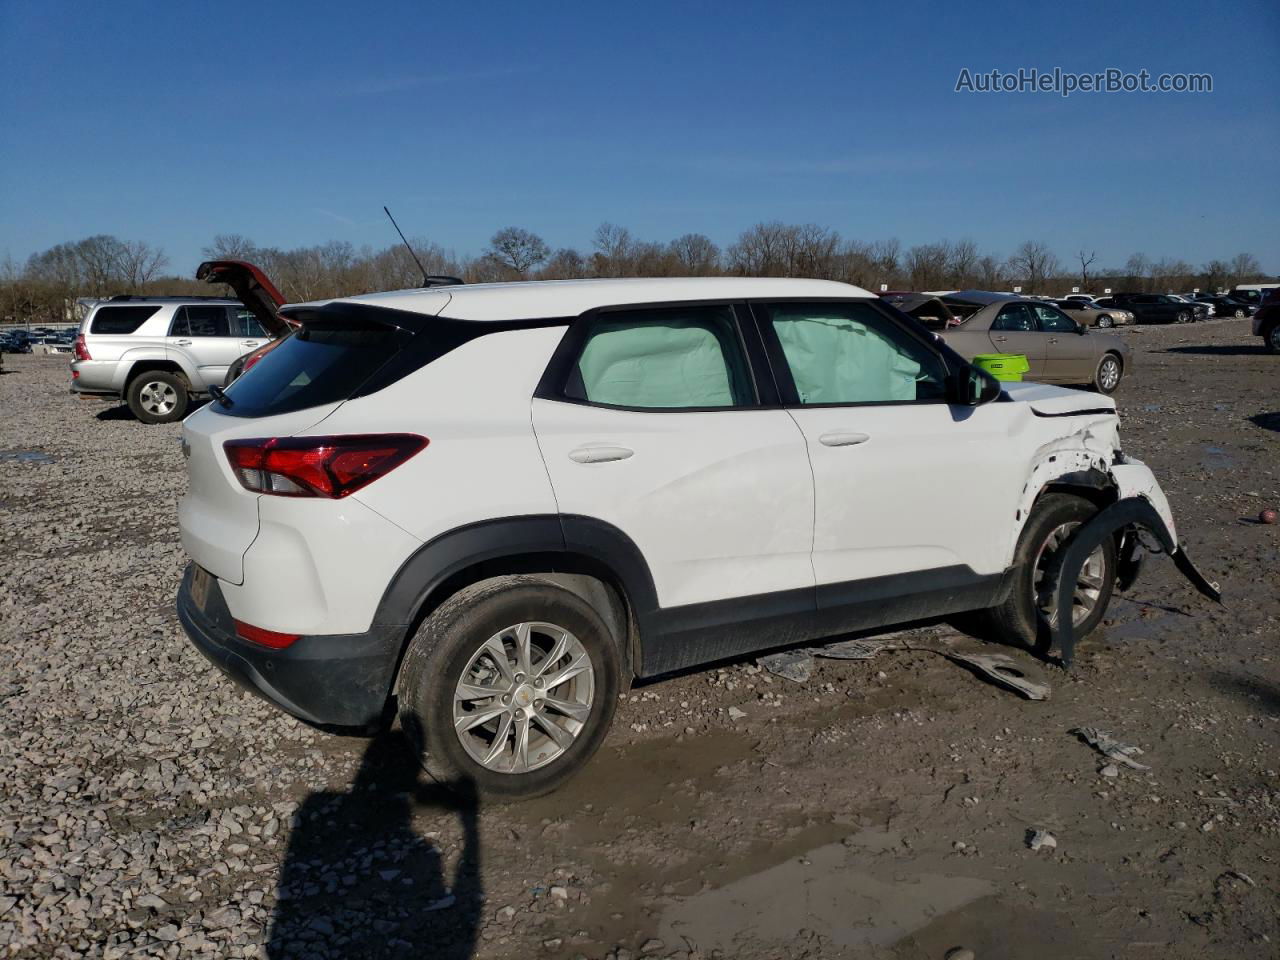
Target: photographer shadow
{"points": [[357, 881]]}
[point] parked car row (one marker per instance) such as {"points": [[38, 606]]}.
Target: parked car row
{"points": [[1179, 307]]}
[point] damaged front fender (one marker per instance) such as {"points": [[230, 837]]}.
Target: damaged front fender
{"points": [[1145, 510]]}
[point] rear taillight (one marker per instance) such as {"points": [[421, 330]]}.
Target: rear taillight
{"points": [[318, 466], [264, 638], [81, 348], [253, 358]]}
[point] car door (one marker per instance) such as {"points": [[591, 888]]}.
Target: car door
{"points": [[650, 421], [248, 328], [202, 340], [1069, 354], [912, 496], [1014, 330]]}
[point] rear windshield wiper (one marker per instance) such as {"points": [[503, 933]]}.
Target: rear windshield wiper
{"points": [[221, 396]]}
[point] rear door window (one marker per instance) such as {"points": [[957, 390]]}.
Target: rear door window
{"points": [[1014, 318], [121, 320], [662, 359], [205, 322]]}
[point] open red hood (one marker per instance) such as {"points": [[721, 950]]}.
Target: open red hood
{"points": [[252, 287]]}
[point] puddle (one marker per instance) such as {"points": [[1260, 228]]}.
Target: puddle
{"points": [[845, 894], [24, 456], [1215, 458], [1152, 407]]}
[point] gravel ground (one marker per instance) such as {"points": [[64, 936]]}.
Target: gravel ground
{"points": [[881, 809]]}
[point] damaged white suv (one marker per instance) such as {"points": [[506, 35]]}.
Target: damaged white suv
{"points": [[493, 506]]}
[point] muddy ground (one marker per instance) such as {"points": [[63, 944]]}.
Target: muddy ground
{"points": [[880, 810]]}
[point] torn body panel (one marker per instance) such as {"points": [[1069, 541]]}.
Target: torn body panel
{"points": [[1125, 515]]}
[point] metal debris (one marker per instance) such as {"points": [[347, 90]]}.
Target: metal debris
{"points": [[1003, 670], [1041, 840], [1110, 747], [797, 665]]}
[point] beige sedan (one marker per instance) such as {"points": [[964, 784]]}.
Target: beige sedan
{"points": [[1092, 315], [1058, 349]]}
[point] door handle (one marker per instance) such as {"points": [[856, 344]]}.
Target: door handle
{"points": [[601, 453], [999, 339], [842, 439], [248, 343], [184, 343], [1053, 339]]}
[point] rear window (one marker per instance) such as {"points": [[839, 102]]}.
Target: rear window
{"points": [[121, 320]]}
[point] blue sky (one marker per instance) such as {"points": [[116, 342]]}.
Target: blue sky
{"points": [[293, 122]]}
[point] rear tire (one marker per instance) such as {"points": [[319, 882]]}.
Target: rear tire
{"points": [[1240, 314], [1106, 379], [1021, 620], [158, 396], [454, 655]]}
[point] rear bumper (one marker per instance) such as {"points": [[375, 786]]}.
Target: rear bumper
{"points": [[330, 681]]}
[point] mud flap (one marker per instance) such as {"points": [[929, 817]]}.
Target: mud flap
{"points": [[1132, 512]]}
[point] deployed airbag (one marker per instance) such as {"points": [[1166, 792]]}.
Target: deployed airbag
{"points": [[670, 364], [839, 360]]}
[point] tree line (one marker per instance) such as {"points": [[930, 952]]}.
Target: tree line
{"points": [[40, 289]]}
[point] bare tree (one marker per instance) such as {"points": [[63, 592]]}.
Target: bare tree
{"points": [[1215, 275], [926, 265], [962, 264], [230, 246], [696, 255], [1245, 268], [1086, 260], [518, 250], [565, 264], [140, 263], [614, 247], [1137, 270], [1033, 263], [886, 254], [991, 275]]}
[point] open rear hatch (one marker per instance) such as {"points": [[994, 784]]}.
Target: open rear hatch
{"points": [[252, 288]]}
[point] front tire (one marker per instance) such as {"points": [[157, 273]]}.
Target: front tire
{"points": [[1025, 618], [1105, 322], [511, 684], [1106, 379], [158, 396], [1240, 314], [1184, 316]]}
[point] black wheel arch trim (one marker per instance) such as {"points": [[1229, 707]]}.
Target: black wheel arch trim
{"points": [[1123, 515]]}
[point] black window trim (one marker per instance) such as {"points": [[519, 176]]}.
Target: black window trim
{"points": [[181, 311], [760, 379], [951, 361]]}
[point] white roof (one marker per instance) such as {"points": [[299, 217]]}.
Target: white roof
{"points": [[568, 298]]}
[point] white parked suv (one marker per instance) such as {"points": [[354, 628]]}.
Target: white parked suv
{"points": [[158, 352], [493, 506]]}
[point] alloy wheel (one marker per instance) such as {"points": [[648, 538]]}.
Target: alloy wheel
{"points": [[158, 398], [1109, 374], [524, 697], [1088, 586]]}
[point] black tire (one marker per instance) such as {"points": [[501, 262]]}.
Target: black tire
{"points": [[1271, 336], [233, 372], [443, 646], [1105, 321], [1240, 314], [1109, 373], [1184, 316], [1018, 621], [158, 396]]}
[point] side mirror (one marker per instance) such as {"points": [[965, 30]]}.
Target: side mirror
{"points": [[972, 387], [1081, 329]]}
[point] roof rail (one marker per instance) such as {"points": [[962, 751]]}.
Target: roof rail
{"points": [[122, 297]]}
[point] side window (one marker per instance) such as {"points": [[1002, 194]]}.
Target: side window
{"points": [[1053, 321], [853, 353], [662, 359], [1014, 317], [207, 321], [247, 325], [180, 327], [120, 320]]}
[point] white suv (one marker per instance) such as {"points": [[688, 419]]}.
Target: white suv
{"points": [[157, 352], [495, 505]]}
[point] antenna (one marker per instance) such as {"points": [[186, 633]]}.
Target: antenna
{"points": [[425, 281]]}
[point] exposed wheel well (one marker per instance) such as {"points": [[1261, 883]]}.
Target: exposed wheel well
{"points": [[583, 576], [151, 366]]}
